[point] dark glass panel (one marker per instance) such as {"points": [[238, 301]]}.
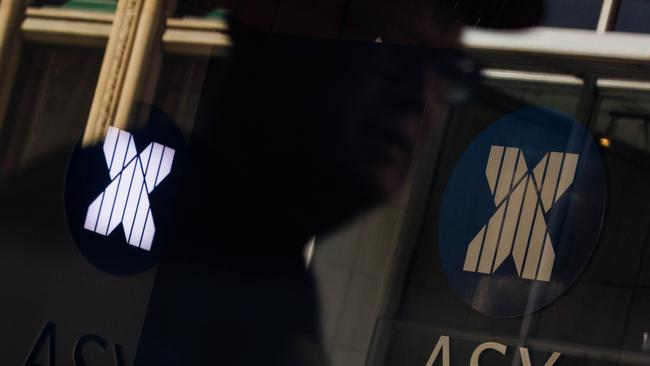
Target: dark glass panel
{"points": [[581, 14], [633, 16]]}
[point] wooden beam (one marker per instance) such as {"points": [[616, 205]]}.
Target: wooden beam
{"points": [[65, 26]]}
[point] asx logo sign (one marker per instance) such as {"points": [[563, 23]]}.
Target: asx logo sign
{"points": [[126, 198], [46, 348], [442, 351], [518, 226], [120, 194], [521, 212]]}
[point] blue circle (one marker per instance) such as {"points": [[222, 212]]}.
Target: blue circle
{"points": [[572, 221]]}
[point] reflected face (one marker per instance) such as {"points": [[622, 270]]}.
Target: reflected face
{"points": [[379, 125], [336, 120], [391, 97]]}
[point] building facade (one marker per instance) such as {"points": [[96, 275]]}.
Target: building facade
{"points": [[70, 69]]}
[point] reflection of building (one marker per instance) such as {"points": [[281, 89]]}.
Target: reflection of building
{"points": [[69, 67], [84, 63], [77, 66], [387, 300]]}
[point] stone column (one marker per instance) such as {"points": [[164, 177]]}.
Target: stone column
{"points": [[131, 64], [11, 15]]}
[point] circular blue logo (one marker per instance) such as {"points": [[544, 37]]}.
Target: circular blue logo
{"points": [[522, 212]]}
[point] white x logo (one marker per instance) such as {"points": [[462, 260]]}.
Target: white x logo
{"points": [[125, 200], [518, 227]]}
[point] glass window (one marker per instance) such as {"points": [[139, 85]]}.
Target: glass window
{"points": [[196, 8], [624, 121], [560, 97], [220, 151], [581, 14], [94, 5], [633, 16], [50, 102], [181, 92], [612, 289]]}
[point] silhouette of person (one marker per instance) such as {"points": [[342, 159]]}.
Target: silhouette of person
{"points": [[295, 135], [303, 134]]}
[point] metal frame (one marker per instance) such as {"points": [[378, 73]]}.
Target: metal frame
{"points": [[575, 43], [607, 15]]}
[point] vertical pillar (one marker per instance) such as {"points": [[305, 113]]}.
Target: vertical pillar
{"points": [[607, 16], [131, 64], [587, 101], [11, 14]]}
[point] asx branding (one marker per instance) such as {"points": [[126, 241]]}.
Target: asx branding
{"points": [[126, 199], [442, 351], [45, 349], [119, 183], [518, 227], [522, 212]]}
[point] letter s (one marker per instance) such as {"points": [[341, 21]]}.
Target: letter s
{"points": [[78, 347], [485, 346]]}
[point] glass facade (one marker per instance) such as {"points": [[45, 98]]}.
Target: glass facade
{"points": [[633, 16], [565, 14], [382, 284], [56, 82], [88, 5], [611, 289]]}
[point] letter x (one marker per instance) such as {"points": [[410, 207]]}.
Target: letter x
{"points": [[522, 198], [126, 199]]}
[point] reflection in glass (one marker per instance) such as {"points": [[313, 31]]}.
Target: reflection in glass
{"points": [[633, 16], [564, 13]]}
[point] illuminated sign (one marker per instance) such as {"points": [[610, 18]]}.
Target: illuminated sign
{"points": [[126, 199], [120, 194], [522, 212]]}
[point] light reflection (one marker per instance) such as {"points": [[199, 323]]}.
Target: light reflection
{"points": [[604, 142]]}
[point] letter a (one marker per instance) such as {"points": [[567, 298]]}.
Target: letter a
{"points": [[48, 333], [443, 344]]}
